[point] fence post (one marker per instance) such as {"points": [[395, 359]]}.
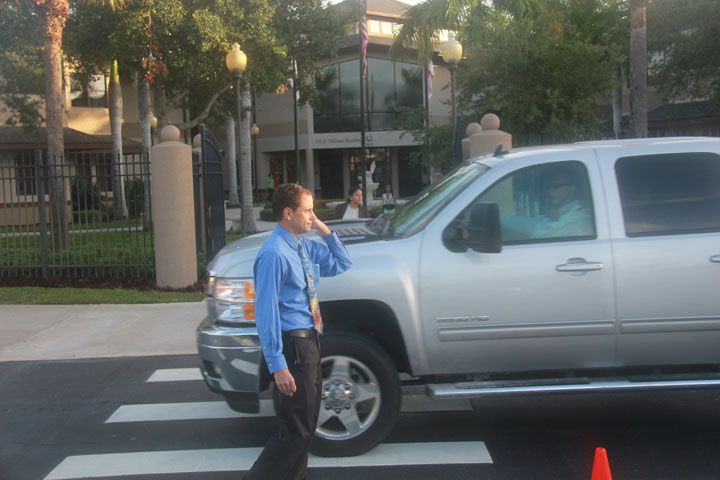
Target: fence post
{"points": [[172, 207], [42, 219]]}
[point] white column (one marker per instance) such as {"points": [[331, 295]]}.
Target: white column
{"points": [[172, 204]]}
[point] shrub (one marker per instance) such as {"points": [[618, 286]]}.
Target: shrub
{"points": [[85, 194], [325, 214], [376, 211], [135, 197], [82, 217], [267, 215]]}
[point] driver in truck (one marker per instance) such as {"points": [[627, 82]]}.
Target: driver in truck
{"points": [[288, 320]]}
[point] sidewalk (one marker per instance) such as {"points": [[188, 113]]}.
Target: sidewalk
{"points": [[60, 332], [57, 332]]}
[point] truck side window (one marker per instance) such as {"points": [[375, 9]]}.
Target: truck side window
{"points": [[670, 194], [549, 202]]}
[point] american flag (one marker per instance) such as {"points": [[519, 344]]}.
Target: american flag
{"points": [[364, 33], [430, 76]]}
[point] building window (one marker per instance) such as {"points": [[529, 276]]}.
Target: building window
{"points": [[388, 84], [90, 92], [25, 174]]}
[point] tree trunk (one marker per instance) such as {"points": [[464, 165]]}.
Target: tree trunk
{"points": [[638, 67], [115, 109], [145, 131], [160, 103], [617, 100], [231, 157], [245, 166], [52, 14]]}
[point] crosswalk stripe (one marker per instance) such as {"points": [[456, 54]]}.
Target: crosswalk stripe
{"points": [[233, 459], [158, 412], [161, 412], [175, 375]]}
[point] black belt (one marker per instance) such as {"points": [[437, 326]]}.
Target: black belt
{"points": [[301, 333]]}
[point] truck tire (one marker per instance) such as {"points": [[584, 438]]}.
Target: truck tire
{"points": [[361, 396]]}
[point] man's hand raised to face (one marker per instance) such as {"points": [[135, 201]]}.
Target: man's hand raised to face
{"points": [[320, 226]]}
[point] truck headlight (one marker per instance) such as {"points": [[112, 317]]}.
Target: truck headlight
{"points": [[231, 300]]}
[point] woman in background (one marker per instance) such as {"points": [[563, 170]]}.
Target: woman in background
{"points": [[388, 201], [353, 208]]}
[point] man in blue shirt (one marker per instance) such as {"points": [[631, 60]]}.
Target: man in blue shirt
{"points": [[288, 322]]}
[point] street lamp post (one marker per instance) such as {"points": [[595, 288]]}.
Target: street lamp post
{"points": [[236, 61], [254, 131], [153, 127], [452, 53]]}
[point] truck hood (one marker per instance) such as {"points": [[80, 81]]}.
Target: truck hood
{"points": [[237, 258]]}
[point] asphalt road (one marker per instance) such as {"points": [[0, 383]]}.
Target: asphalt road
{"points": [[147, 418]]}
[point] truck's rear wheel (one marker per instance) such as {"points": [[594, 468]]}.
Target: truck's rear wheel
{"points": [[360, 398]]}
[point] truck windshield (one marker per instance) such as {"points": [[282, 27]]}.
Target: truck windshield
{"points": [[414, 215]]}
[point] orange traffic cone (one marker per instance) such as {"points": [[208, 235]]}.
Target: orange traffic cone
{"points": [[601, 468]]}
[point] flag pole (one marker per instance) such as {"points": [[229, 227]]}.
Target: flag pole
{"points": [[364, 40]]}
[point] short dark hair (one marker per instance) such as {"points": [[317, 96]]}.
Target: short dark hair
{"points": [[352, 192], [287, 195]]}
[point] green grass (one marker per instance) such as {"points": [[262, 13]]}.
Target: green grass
{"points": [[84, 296], [89, 248], [82, 225]]}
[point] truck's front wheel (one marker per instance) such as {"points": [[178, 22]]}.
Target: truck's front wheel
{"points": [[361, 397]]}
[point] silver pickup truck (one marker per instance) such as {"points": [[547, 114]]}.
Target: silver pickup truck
{"points": [[570, 268]]}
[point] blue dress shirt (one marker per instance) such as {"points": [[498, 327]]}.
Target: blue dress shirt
{"points": [[281, 301]]}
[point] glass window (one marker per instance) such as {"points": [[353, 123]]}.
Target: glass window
{"points": [[381, 86], [416, 214], [88, 93], [337, 108], [350, 87], [670, 194], [549, 202], [25, 174], [329, 87], [409, 81]]}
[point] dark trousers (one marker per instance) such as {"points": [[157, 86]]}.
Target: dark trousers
{"points": [[286, 454]]}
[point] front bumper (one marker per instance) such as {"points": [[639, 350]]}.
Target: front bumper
{"points": [[232, 364]]}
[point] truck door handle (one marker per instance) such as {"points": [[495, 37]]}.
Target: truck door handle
{"points": [[715, 258], [579, 265]]}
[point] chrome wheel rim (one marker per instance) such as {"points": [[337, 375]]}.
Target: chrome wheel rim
{"points": [[350, 399]]}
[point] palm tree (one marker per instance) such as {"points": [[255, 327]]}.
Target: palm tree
{"points": [[638, 67], [115, 110], [52, 15]]}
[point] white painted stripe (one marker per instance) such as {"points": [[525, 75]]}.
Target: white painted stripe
{"points": [[233, 459], [159, 412], [411, 403], [175, 375], [162, 412]]}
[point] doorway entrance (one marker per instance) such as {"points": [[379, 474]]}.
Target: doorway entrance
{"points": [[331, 173]]}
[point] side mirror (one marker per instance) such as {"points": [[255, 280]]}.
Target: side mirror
{"points": [[481, 232]]}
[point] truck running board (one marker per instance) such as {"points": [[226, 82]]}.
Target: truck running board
{"points": [[569, 385]]}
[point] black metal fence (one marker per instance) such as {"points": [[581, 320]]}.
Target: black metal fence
{"points": [[82, 216]]}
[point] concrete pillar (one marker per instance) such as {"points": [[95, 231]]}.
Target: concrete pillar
{"points": [[347, 181], [485, 138], [309, 157], [394, 173], [172, 204]]}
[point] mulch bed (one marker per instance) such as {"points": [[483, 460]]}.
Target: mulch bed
{"points": [[105, 283]]}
